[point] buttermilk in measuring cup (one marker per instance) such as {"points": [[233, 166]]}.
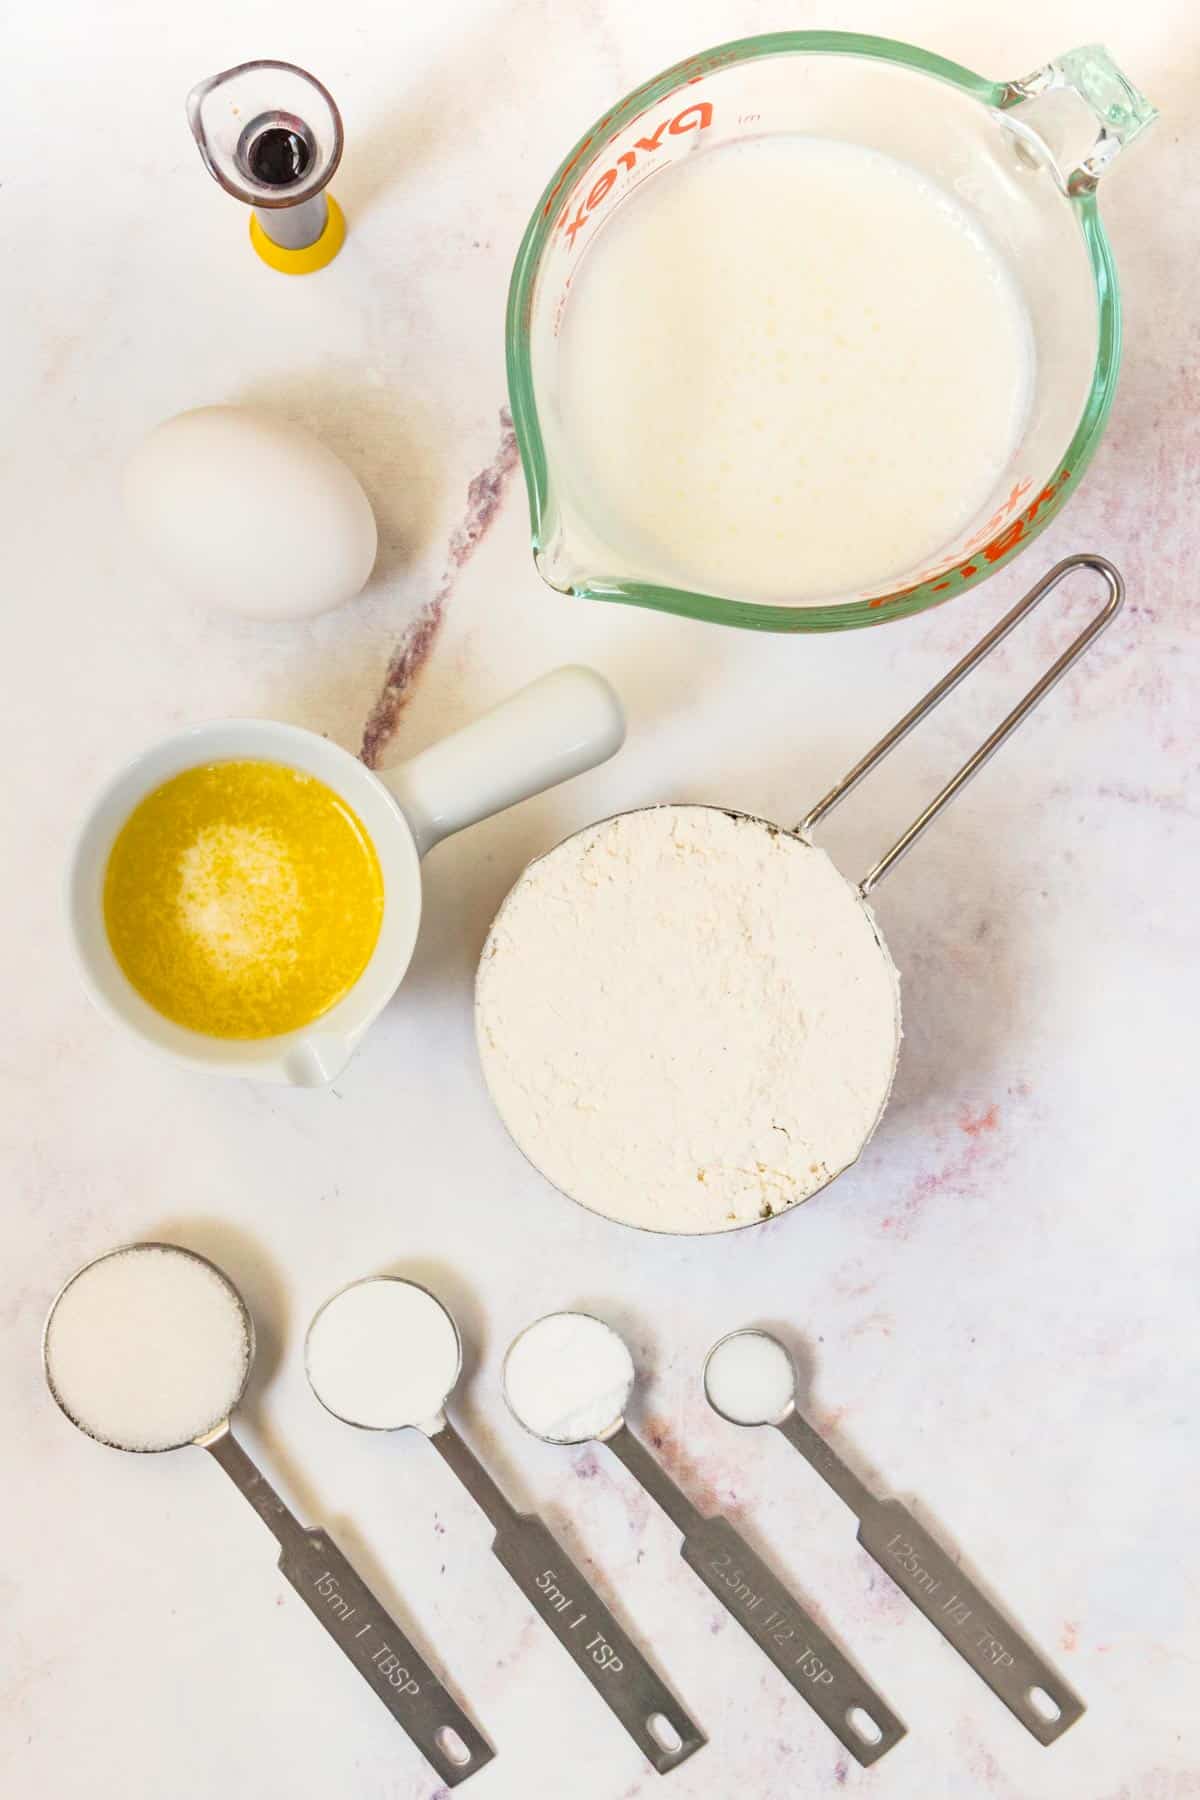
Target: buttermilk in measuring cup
{"points": [[795, 368]]}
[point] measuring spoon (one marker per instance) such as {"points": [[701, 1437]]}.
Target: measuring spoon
{"points": [[149, 1348], [750, 1379], [385, 1354], [567, 1379]]}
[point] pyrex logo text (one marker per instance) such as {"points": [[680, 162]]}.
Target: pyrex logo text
{"points": [[693, 118]]}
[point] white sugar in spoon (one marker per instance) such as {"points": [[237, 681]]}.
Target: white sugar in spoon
{"points": [[750, 1379], [149, 1348], [385, 1354], [568, 1379]]}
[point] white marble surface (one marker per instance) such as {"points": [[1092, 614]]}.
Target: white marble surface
{"points": [[997, 1306]]}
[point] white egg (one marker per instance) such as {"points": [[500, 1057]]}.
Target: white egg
{"points": [[249, 514]]}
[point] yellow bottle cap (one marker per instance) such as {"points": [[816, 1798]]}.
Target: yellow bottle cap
{"points": [[313, 256]]}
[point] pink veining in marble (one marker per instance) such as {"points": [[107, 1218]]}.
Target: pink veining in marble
{"points": [[485, 496], [711, 1490], [984, 1121], [960, 1172]]}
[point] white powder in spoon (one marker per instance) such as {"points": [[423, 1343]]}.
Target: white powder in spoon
{"points": [[568, 1378], [749, 1378], [687, 1019], [383, 1353], [147, 1348]]}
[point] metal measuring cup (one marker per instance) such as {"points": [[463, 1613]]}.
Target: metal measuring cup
{"points": [[585, 1182], [334, 1593], [410, 1328], [749, 1591]]}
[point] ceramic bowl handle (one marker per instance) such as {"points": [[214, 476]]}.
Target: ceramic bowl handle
{"points": [[558, 726]]}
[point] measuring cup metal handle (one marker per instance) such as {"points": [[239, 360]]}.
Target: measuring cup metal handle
{"points": [[558, 726], [966, 1618], [937, 693], [340, 1601], [565, 1601], [820, 1673]]}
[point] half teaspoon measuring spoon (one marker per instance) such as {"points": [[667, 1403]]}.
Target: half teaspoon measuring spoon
{"points": [[149, 1348], [385, 1354], [567, 1379], [750, 1379]]}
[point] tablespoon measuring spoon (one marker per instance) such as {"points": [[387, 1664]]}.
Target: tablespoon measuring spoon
{"points": [[567, 1379], [385, 1354], [149, 1348], [750, 1379]]}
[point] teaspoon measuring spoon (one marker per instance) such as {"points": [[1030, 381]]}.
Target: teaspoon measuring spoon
{"points": [[567, 1379], [149, 1348], [385, 1354], [750, 1379]]}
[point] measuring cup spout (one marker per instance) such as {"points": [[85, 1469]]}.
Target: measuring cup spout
{"points": [[558, 726], [316, 1060]]}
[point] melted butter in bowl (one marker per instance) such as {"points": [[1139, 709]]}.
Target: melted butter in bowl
{"points": [[243, 899]]}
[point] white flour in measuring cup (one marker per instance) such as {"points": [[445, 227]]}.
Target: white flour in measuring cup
{"points": [[687, 1019], [790, 369], [147, 1349]]}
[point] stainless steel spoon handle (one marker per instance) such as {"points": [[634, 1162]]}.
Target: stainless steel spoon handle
{"points": [[822, 1674], [341, 1601], [1012, 1667], [809, 1659], [565, 1601], [966, 1618]]}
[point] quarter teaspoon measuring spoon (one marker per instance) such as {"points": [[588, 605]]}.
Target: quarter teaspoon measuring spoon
{"points": [[567, 1379], [750, 1379], [384, 1354], [133, 1354]]}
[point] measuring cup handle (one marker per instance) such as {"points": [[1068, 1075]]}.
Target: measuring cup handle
{"points": [[937, 693], [558, 726], [1103, 97]]}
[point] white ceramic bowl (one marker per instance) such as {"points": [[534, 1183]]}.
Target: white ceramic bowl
{"points": [[557, 727]]}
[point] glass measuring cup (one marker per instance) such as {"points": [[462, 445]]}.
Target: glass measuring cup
{"points": [[384, 1354], [750, 1379], [1023, 157], [111, 1351]]}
